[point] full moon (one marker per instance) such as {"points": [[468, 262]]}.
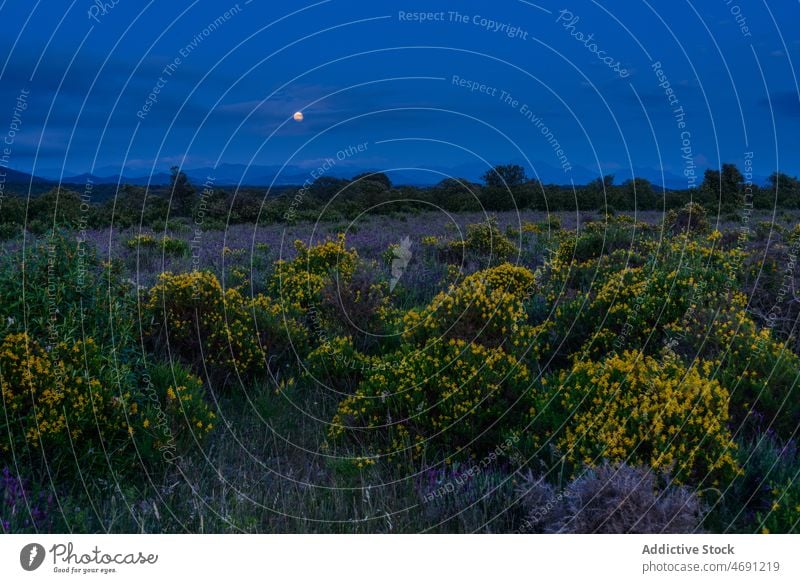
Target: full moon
{"points": [[298, 116]]}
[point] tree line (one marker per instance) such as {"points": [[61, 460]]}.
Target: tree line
{"points": [[503, 188]]}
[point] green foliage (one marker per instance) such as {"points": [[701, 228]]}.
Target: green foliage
{"points": [[621, 346], [640, 410], [764, 496], [691, 217], [436, 402], [483, 241], [299, 282], [168, 245]]}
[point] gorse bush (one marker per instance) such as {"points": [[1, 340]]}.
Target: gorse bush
{"points": [[298, 283], [760, 373], [359, 308], [692, 217], [53, 400], [483, 241], [486, 308], [192, 316], [635, 408], [438, 401], [71, 407], [175, 414], [57, 288], [457, 371], [338, 365]]}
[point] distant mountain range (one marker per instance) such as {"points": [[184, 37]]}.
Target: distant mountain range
{"points": [[263, 176]]}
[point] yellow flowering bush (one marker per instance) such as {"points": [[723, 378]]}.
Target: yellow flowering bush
{"points": [[641, 410], [437, 401], [690, 217], [637, 298], [486, 307], [549, 227], [782, 515], [299, 282], [52, 400], [72, 403], [338, 365], [201, 322], [359, 308], [760, 372], [174, 412], [483, 240]]}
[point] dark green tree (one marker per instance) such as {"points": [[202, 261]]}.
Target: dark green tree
{"points": [[722, 188], [784, 190], [505, 176], [377, 177], [181, 193], [639, 194]]}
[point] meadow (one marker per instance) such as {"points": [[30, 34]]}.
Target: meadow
{"points": [[409, 372]]}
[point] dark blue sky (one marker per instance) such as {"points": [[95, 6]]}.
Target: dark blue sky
{"points": [[364, 72]]}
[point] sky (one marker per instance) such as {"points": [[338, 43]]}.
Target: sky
{"points": [[571, 90]]}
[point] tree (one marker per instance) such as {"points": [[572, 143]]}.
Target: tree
{"points": [[639, 194], [732, 183], [724, 186], [181, 193], [325, 188], [505, 176], [58, 207], [597, 194], [456, 194], [785, 189], [378, 177]]}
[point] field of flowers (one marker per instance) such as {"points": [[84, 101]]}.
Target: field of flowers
{"points": [[414, 373]]}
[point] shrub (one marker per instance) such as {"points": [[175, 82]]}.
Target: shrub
{"points": [[760, 373], [194, 317], [299, 282], [486, 307], [691, 217], [765, 495], [72, 406], [546, 229], [640, 299], [168, 245], [338, 365], [175, 413], [438, 401], [9, 231], [784, 512], [65, 292], [430, 240], [635, 408], [603, 237], [483, 240], [358, 309], [52, 400], [611, 499]]}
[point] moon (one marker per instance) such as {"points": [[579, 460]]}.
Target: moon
{"points": [[298, 116]]}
